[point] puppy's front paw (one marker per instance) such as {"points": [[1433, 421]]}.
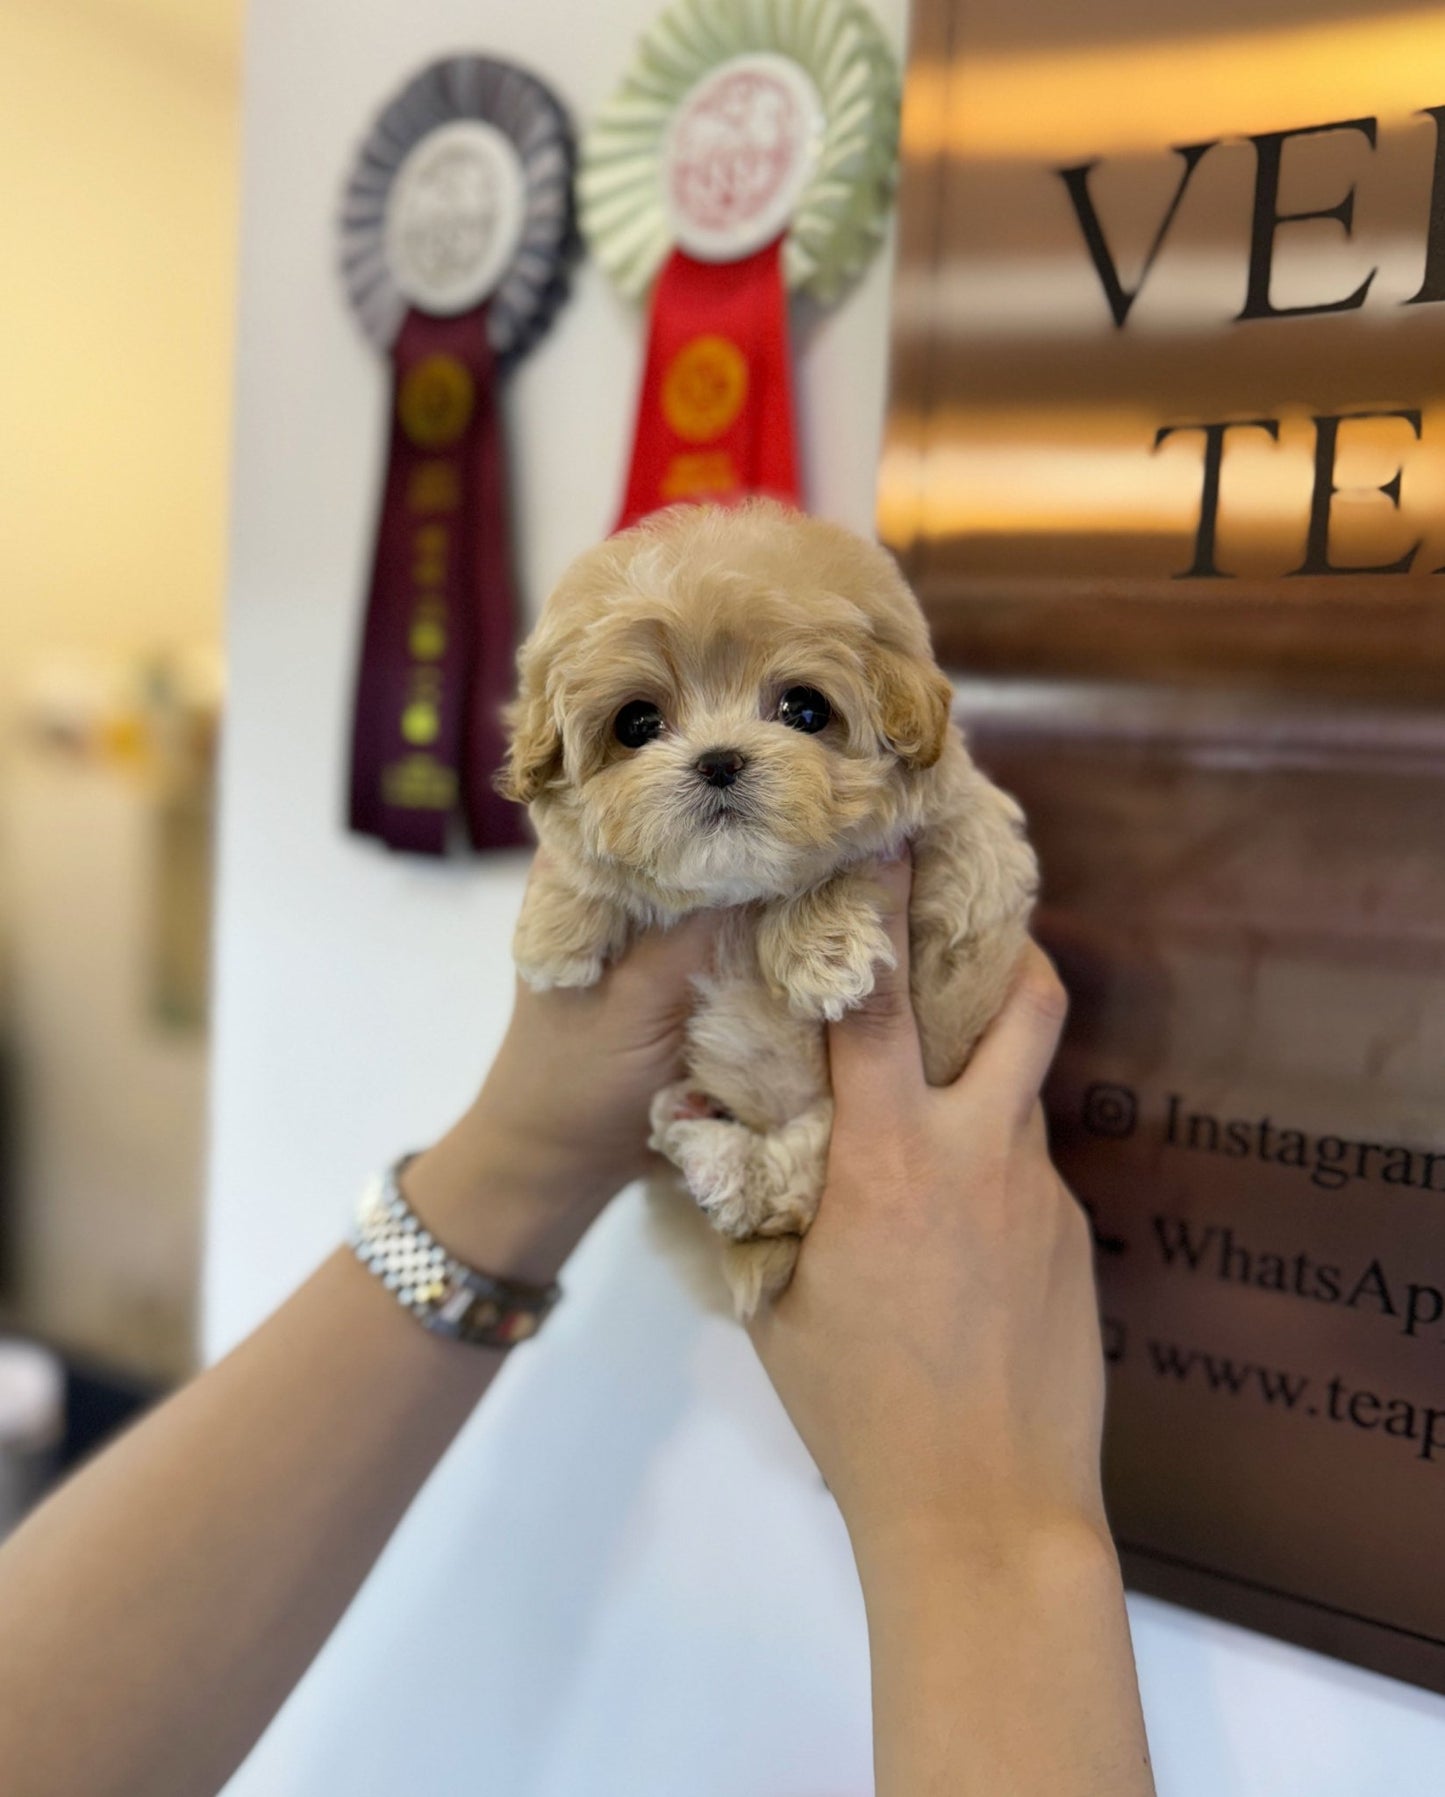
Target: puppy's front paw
{"points": [[563, 937], [574, 970], [828, 969]]}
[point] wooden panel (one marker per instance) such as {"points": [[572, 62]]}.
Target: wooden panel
{"points": [[1245, 904]]}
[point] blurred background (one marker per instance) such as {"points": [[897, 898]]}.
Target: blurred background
{"points": [[118, 136], [1235, 785]]}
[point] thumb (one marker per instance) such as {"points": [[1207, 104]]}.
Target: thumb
{"points": [[877, 1045], [1013, 1059]]}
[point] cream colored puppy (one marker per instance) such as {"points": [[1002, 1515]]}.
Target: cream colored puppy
{"points": [[740, 708]]}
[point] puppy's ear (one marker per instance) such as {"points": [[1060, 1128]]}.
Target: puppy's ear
{"points": [[914, 701], [534, 753]]}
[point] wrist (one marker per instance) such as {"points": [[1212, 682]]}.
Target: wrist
{"points": [[1023, 1553], [500, 1202], [1001, 1660]]}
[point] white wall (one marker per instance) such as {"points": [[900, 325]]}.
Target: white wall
{"points": [[626, 1578]]}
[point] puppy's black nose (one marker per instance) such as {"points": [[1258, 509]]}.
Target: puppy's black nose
{"points": [[720, 767]]}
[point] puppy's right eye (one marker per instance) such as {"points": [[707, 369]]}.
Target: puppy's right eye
{"points": [[637, 723]]}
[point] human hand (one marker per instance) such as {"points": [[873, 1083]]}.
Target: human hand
{"points": [[560, 1123], [938, 1349]]}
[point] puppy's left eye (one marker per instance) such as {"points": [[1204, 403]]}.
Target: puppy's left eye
{"points": [[804, 708], [637, 723]]}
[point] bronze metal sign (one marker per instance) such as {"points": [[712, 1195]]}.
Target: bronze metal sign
{"points": [[1168, 390], [1166, 461]]}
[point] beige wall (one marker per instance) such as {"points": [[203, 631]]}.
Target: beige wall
{"points": [[118, 201], [117, 215]]}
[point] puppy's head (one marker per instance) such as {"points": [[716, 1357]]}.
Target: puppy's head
{"points": [[725, 704]]}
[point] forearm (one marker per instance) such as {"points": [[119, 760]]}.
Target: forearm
{"points": [[157, 1611], [1003, 1668]]}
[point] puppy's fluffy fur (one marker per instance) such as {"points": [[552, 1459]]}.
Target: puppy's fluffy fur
{"points": [[711, 615]]}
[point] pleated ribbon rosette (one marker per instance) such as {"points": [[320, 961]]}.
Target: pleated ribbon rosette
{"points": [[456, 231], [749, 152]]}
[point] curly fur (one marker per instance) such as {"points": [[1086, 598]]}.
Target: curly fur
{"points": [[711, 615]]}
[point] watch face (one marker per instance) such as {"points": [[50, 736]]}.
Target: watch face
{"points": [[517, 1325]]}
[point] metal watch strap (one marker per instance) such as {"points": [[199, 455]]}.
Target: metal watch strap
{"points": [[441, 1292]]}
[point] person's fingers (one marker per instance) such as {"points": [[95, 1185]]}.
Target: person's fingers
{"points": [[878, 1043], [1036, 1127], [1017, 1049]]}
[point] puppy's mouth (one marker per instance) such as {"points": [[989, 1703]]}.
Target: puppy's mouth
{"points": [[723, 814], [726, 810]]}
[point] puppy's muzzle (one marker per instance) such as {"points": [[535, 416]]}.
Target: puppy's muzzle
{"points": [[720, 767]]}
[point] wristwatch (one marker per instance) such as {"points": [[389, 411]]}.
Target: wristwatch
{"points": [[444, 1294]]}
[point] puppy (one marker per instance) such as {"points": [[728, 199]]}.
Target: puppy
{"points": [[739, 708]]}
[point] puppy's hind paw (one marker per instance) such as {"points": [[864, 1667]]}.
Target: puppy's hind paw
{"points": [[684, 1103], [746, 1183], [714, 1157], [759, 1271]]}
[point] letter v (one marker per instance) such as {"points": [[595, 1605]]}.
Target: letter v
{"points": [[1076, 180]]}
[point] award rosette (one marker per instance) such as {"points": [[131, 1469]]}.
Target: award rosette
{"points": [[749, 152], [456, 230]]}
